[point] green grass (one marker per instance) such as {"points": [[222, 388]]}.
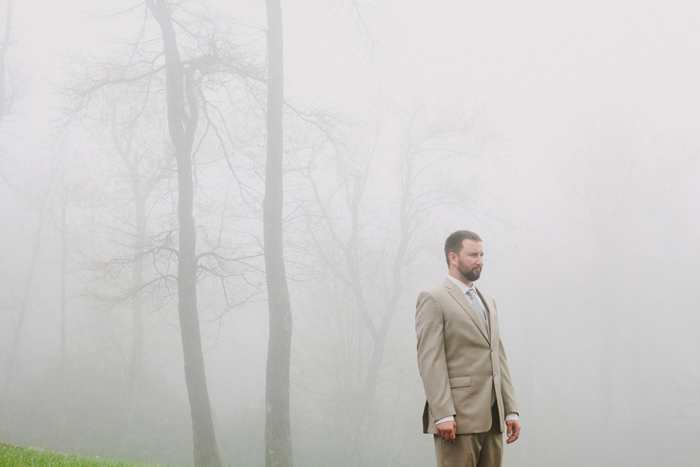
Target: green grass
{"points": [[14, 456]]}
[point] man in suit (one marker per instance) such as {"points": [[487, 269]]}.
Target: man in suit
{"points": [[470, 398]]}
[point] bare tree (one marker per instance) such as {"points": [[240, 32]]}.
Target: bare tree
{"points": [[144, 175], [278, 436], [370, 256], [64, 305], [183, 116], [210, 59], [615, 174], [24, 307], [9, 84]]}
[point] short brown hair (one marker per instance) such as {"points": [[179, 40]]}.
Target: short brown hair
{"points": [[453, 244]]}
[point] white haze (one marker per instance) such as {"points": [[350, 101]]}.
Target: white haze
{"points": [[582, 178]]}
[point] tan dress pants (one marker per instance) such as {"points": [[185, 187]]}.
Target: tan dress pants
{"points": [[473, 450]]}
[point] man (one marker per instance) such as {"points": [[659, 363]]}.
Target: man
{"points": [[463, 364]]}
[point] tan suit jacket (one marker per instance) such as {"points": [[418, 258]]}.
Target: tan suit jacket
{"points": [[463, 365]]}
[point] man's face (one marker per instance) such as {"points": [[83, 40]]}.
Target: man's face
{"points": [[470, 260]]}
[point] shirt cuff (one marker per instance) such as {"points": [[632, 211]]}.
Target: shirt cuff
{"points": [[510, 416], [444, 419]]}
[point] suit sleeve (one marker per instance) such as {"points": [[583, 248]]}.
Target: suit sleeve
{"points": [[507, 392], [431, 356]]}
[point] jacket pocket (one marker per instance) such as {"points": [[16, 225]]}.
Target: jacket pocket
{"points": [[460, 381]]}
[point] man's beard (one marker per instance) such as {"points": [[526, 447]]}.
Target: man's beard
{"points": [[472, 274]]}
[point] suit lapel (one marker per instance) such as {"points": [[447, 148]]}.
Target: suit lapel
{"points": [[467, 305]]}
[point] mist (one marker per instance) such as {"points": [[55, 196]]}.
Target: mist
{"points": [[564, 134]]}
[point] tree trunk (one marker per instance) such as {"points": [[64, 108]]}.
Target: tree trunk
{"points": [[137, 298], [278, 438], [24, 309], [180, 90], [64, 318], [206, 452]]}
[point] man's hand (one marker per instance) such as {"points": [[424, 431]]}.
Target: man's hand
{"points": [[448, 430], [513, 431]]}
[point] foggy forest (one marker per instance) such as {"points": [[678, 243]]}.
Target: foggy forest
{"points": [[215, 219]]}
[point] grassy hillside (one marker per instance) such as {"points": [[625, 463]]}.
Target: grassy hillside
{"points": [[14, 456]]}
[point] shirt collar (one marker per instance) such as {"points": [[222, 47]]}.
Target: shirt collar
{"points": [[462, 286]]}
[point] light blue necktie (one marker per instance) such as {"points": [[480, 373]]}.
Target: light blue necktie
{"points": [[476, 302]]}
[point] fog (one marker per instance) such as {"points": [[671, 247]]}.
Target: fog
{"points": [[565, 134]]}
